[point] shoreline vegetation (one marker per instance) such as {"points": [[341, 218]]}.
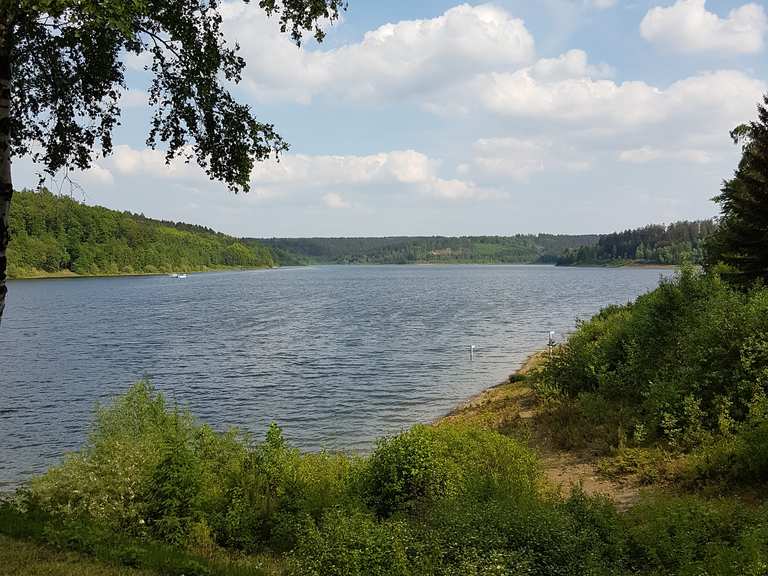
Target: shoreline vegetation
{"points": [[654, 245], [68, 274], [627, 449], [54, 236]]}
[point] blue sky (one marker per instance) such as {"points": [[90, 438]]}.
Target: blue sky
{"points": [[436, 117]]}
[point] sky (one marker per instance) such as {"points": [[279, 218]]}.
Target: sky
{"points": [[433, 117]]}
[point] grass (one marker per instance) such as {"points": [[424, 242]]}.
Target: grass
{"points": [[26, 558], [50, 541]]}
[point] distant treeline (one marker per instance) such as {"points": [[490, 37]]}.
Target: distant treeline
{"points": [[53, 234], [655, 244], [540, 248]]}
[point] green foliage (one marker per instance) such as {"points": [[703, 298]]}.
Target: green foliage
{"points": [[681, 365], [406, 470], [740, 240], [154, 489], [731, 461], [151, 471], [655, 244], [68, 75], [428, 249], [427, 464], [53, 233], [353, 544], [693, 536], [116, 548], [174, 488], [673, 244]]}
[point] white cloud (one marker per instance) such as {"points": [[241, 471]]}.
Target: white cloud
{"points": [[687, 26], [514, 159], [394, 60], [330, 178], [648, 154], [459, 190], [400, 166], [138, 62], [510, 157], [572, 64], [481, 58], [134, 99], [601, 4], [722, 99], [128, 161], [335, 200], [95, 175]]}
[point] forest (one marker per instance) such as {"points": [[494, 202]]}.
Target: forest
{"points": [[653, 244], [57, 235], [54, 234], [518, 249]]}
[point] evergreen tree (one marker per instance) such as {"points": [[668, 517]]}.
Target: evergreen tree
{"points": [[741, 240]]}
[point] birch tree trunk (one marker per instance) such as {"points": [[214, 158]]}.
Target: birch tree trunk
{"points": [[6, 184]]}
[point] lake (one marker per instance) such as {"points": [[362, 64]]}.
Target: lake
{"points": [[337, 355]]}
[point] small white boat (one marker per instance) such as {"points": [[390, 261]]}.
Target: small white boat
{"points": [[181, 276]]}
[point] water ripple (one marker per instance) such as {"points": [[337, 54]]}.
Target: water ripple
{"points": [[337, 355]]}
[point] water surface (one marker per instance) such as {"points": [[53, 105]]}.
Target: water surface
{"points": [[337, 355]]}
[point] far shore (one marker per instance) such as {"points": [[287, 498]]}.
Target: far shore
{"points": [[42, 275]]}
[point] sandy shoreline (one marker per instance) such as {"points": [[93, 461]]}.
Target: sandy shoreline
{"points": [[488, 394]]}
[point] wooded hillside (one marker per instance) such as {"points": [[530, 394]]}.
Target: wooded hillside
{"points": [[56, 234]]}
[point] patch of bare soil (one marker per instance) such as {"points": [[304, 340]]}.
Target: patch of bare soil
{"points": [[568, 469]]}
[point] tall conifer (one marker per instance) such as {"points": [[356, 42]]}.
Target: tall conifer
{"points": [[741, 239]]}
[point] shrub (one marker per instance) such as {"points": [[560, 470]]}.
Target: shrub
{"points": [[439, 501], [681, 364], [426, 464], [150, 471], [693, 535], [110, 477], [729, 462], [352, 545], [406, 470], [172, 501]]}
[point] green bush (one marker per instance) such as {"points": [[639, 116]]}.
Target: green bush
{"points": [[730, 462], [172, 502], [152, 488], [406, 470], [116, 548], [693, 535], [425, 464], [150, 471], [680, 365], [355, 544], [109, 479]]}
